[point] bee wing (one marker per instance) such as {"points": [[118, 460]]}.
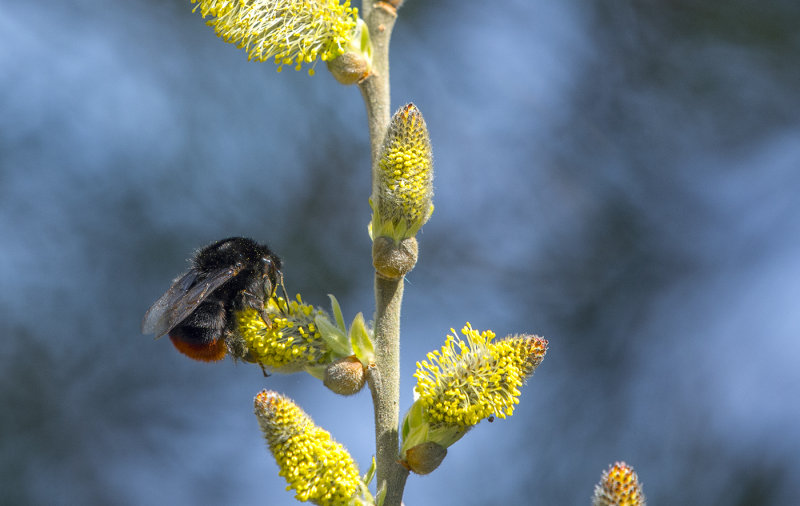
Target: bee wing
{"points": [[183, 297]]}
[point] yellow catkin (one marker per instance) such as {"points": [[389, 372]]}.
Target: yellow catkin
{"points": [[619, 486], [291, 340], [469, 380], [403, 202], [316, 467], [289, 32]]}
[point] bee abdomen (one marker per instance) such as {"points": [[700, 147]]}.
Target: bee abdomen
{"points": [[201, 335]]}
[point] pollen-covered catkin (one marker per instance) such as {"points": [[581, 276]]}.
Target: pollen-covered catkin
{"points": [[469, 380], [289, 32], [289, 342], [402, 199], [315, 466], [619, 486]]}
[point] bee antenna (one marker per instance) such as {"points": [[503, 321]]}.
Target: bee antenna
{"points": [[283, 289]]}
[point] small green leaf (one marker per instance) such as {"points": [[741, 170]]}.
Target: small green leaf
{"points": [[370, 472], [446, 435], [365, 42], [334, 337], [380, 496], [337, 313], [317, 371], [414, 428], [417, 434], [360, 340]]}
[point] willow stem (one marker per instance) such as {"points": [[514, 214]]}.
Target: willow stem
{"points": [[385, 383]]}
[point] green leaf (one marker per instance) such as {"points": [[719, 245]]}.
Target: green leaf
{"points": [[334, 337], [337, 313], [370, 472], [317, 371], [360, 340], [380, 496], [446, 435], [414, 428]]}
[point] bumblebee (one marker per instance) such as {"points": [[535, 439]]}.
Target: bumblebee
{"points": [[197, 311]]}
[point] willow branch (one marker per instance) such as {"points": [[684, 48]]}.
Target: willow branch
{"points": [[380, 18]]}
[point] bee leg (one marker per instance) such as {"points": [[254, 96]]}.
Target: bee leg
{"points": [[265, 316], [266, 374]]}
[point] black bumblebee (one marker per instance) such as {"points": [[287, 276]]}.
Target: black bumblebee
{"points": [[197, 310]]}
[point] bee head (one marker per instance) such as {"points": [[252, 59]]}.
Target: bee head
{"points": [[271, 270]]}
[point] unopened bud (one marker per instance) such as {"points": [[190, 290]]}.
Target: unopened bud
{"points": [[345, 376], [355, 64], [424, 458], [393, 260]]}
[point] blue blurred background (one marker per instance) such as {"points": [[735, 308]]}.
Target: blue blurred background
{"points": [[621, 179]]}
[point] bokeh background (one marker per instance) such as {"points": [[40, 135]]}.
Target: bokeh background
{"points": [[623, 179]]}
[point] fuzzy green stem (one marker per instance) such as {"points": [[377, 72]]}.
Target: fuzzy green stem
{"points": [[385, 382], [380, 19], [386, 393]]}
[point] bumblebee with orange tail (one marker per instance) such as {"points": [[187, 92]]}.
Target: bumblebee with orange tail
{"points": [[197, 311]]}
